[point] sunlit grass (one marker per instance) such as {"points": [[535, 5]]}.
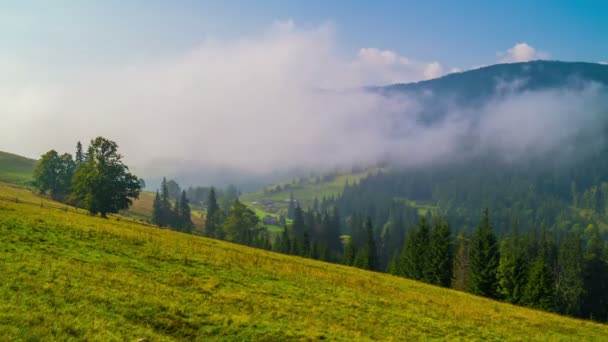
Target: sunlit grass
{"points": [[70, 276]]}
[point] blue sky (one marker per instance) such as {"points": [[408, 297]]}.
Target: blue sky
{"points": [[455, 33], [73, 70]]}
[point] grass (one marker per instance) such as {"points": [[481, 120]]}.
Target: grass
{"points": [[16, 169], [74, 277]]}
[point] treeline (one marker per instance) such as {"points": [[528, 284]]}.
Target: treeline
{"points": [[567, 276], [96, 180], [562, 273]]}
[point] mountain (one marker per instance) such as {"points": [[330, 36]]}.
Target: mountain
{"points": [[474, 88], [15, 169], [76, 277]]}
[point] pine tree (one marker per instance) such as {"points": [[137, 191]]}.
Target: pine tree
{"points": [[570, 276], [157, 211], [595, 300], [212, 218], [512, 268], [349, 252], [462, 268], [79, 157], [165, 204], [185, 214], [299, 227], [371, 246], [291, 208], [539, 291], [484, 258], [415, 259], [440, 254]]}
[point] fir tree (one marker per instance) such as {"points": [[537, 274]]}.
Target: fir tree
{"points": [[595, 300], [461, 271], [484, 258], [349, 252], [570, 276], [512, 268], [157, 213], [212, 217], [440, 254], [185, 214]]}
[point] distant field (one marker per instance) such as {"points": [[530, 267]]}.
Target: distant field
{"points": [[74, 277], [16, 169], [305, 190]]}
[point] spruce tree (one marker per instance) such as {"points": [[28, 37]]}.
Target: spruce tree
{"points": [[440, 254], [349, 252], [570, 275], [595, 300], [484, 258], [185, 213], [79, 157], [291, 208], [461, 272], [165, 204], [157, 214], [212, 217], [512, 268], [370, 245]]}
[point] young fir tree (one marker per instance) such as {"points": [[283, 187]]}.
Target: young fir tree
{"points": [[512, 268], [539, 291], [484, 259], [570, 276], [165, 204], [349, 252], [157, 211], [292, 207], [595, 300], [440, 254], [185, 213], [298, 228], [461, 272], [370, 245], [79, 157], [415, 259], [212, 217]]}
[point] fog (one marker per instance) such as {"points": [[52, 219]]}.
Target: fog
{"points": [[286, 99]]}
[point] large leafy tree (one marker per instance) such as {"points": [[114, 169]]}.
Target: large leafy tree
{"points": [[242, 224], [103, 184], [53, 174]]}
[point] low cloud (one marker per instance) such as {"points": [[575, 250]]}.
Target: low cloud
{"points": [[281, 100], [521, 52]]}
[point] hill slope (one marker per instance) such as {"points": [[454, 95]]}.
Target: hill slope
{"points": [[15, 169], [72, 276]]}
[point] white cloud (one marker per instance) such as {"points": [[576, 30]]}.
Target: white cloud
{"points": [[521, 52], [377, 67], [268, 102], [605, 62]]}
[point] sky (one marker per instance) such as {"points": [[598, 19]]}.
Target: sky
{"points": [[168, 79]]}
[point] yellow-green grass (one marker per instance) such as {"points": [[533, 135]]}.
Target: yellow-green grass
{"points": [[16, 169], [73, 277]]}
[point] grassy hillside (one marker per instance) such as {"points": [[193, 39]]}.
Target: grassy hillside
{"points": [[15, 169], [70, 276]]}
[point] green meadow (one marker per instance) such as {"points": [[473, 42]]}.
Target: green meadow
{"points": [[69, 276]]}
